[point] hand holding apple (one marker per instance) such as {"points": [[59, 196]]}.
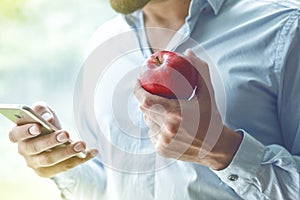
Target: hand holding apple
{"points": [[169, 74], [192, 130]]}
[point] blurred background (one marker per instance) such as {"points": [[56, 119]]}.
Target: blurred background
{"points": [[42, 44]]}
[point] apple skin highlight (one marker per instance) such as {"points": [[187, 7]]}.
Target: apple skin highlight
{"points": [[169, 74]]}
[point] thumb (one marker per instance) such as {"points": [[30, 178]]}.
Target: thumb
{"points": [[200, 65], [204, 79], [190, 53], [43, 110]]}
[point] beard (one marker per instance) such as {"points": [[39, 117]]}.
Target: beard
{"points": [[127, 6]]}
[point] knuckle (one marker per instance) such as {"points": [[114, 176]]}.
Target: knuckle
{"points": [[33, 148], [69, 151], [145, 116], [162, 138], [177, 114], [45, 160], [39, 108], [148, 122], [159, 108], [42, 172], [30, 164], [12, 136], [174, 113], [69, 166], [165, 141], [146, 102], [39, 105], [171, 128], [71, 163], [49, 141]]}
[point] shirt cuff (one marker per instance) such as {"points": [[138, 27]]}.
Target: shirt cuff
{"points": [[66, 182], [241, 173]]}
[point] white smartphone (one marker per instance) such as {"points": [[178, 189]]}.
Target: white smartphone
{"points": [[21, 114]]}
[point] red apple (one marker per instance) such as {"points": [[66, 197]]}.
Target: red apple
{"points": [[169, 74]]}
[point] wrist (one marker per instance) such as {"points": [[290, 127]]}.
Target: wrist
{"points": [[225, 149]]}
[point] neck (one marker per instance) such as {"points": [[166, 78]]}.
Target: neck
{"points": [[168, 14]]}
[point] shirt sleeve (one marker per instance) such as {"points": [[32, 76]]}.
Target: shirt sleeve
{"points": [[86, 181], [261, 171]]}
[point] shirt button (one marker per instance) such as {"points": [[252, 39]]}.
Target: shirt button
{"points": [[233, 177]]}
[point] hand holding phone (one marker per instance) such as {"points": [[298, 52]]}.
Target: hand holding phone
{"points": [[44, 151], [22, 114]]}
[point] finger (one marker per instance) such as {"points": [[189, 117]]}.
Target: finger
{"points": [[153, 116], [201, 65], [169, 125], [189, 52], [19, 133], [44, 110], [158, 135], [155, 132], [65, 165], [173, 148], [159, 139], [44, 143], [56, 155], [155, 128], [203, 69], [158, 104], [152, 137], [162, 146]]}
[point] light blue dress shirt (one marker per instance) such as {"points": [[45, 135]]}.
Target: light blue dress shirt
{"points": [[255, 44]]}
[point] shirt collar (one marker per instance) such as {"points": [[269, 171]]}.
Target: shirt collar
{"points": [[216, 5]]}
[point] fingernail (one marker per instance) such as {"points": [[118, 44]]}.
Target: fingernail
{"points": [[62, 137], [186, 51], [78, 147], [94, 152], [34, 130], [47, 116]]}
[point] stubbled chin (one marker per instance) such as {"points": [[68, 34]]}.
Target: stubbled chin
{"points": [[127, 6]]}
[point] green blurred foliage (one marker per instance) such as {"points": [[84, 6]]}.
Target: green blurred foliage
{"points": [[11, 9]]}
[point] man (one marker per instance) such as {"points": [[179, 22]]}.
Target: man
{"points": [[255, 46]]}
